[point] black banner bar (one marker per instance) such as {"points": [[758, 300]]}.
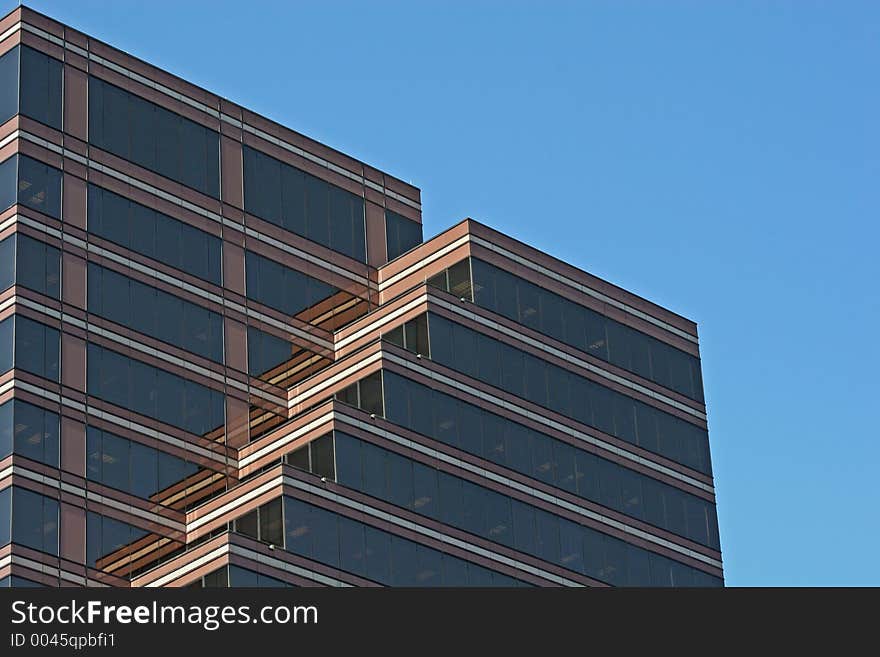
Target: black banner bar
{"points": [[130, 621]]}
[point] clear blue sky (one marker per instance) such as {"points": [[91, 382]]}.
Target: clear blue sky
{"points": [[720, 159]]}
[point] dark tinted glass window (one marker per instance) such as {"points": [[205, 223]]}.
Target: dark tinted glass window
{"points": [[31, 84], [323, 462], [40, 87], [154, 312], [304, 204], [8, 182], [106, 538], [282, 288], [154, 234], [36, 347], [5, 516], [39, 186], [401, 234], [34, 520], [156, 393], [385, 558], [317, 457], [266, 351], [9, 84], [7, 261], [300, 458], [235, 576], [132, 467], [153, 137], [412, 335], [484, 512], [38, 266], [30, 431], [7, 344], [611, 412], [537, 455], [585, 329], [243, 577]]}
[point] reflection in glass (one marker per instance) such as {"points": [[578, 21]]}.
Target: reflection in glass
{"points": [[29, 431], [154, 234]]}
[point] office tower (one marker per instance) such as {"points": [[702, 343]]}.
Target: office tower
{"points": [[230, 359]]}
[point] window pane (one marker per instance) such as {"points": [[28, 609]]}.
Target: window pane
{"points": [[303, 204], [39, 186], [323, 463], [271, 524], [154, 392], [7, 346], [41, 87], [34, 520], [401, 234], [5, 516], [9, 84], [300, 458], [153, 137], [353, 555], [487, 435], [144, 475], [7, 253], [6, 428], [35, 432], [38, 266], [348, 460]]}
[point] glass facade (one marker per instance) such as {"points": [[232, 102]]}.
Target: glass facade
{"points": [[31, 83], [154, 234], [499, 518], [303, 204], [317, 456], [359, 548], [155, 313], [9, 70], [282, 288], [504, 442], [583, 328], [153, 137], [366, 394], [520, 373], [153, 392], [29, 346], [233, 576], [265, 523], [109, 542], [401, 234], [29, 519], [133, 467], [30, 183], [266, 351], [30, 263], [29, 431], [411, 335]]}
